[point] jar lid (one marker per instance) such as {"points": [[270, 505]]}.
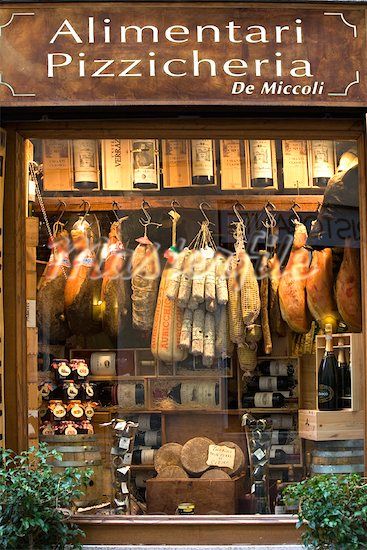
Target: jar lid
{"points": [[186, 507]]}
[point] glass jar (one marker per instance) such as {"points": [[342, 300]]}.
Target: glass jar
{"points": [[70, 390], [61, 369], [79, 369], [88, 391], [58, 409], [76, 410]]}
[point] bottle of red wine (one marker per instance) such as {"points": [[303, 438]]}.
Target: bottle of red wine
{"points": [[196, 393], [261, 163], [202, 162], [263, 400], [328, 376], [275, 368], [270, 383], [344, 380]]}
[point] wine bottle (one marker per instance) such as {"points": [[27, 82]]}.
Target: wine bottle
{"points": [[261, 163], [143, 456], [279, 507], [344, 380], [282, 421], [322, 162], [270, 383], [148, 422], [196, 393], [145, 164], [263, 400], [281, 437], [85, 154], [149, 439], [275, 368], [202, 162], [279, 456], [327, 375]]}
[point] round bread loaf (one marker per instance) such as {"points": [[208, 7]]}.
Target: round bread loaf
{"points": [[172, 472], [239, 459], [194, 455], [215, 473], [167, 455]]}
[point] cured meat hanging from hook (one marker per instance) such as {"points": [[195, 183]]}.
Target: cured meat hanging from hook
{"points": [[168, 317], [114, 287], [320, 288], [292, 287], [348, 290], [145, 277], [51, 319], [83, 287]]}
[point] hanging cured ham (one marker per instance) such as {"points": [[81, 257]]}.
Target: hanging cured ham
{"points": [[51, 320], [144, 282], [292, 286], [348, 290], [114, 292], [82, 289], [319, 287], [277, 323]]}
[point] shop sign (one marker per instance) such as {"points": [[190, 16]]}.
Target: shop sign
{"points": [[126, 54]]}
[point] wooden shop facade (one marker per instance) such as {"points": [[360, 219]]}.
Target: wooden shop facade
{"points": [[184, 230]]}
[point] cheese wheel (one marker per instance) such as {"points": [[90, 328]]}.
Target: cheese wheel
{"points": [[215, 473], [172, 472], [194, 455], [167, 455], [239, 459]]}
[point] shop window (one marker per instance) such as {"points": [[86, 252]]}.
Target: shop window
{"points": [[185, 293]]}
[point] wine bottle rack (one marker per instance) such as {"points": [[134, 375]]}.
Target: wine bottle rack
{"points": [[318, 425]]}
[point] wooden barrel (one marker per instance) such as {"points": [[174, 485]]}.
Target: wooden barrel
{"points": [[82, 452], [338, 457]]}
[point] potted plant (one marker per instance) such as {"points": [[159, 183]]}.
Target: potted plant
{"points": [[332, 511], [36, 501]]}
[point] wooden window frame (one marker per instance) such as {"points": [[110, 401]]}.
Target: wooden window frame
{"points": [[145, 529]]}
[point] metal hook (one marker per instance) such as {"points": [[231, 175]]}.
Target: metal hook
{"points": [[175, 203], [148, 221], [201, 205], [271, 221], [86, 206], [237, 214], [144, 206], [295, 205], [115, 207], [62, 207]]}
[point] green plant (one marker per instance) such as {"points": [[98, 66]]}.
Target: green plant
{"points": [[35, 500], [332, 510]]}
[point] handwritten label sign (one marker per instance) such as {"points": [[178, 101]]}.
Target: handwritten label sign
{"points": [[221, 456]]}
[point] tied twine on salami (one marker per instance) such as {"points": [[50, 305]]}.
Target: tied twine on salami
{"points": [[172, 472], [194, 455], [239, 459], [215, 473], [167, 455]]}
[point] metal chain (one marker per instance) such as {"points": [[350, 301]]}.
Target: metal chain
{"points": [[33, 168]]}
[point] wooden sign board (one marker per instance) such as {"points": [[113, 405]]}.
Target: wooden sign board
{"points": [[127, 54]]}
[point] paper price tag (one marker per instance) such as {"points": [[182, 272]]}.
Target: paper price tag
{"points": [[259, 453], [123, 470], [124, 488], [120, 425], [128, 458], [124, 442], [221, 456]]}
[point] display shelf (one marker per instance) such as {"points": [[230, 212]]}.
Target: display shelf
{"points": [[223, 201], [353, 344], [116, 408], [142, 467]]}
